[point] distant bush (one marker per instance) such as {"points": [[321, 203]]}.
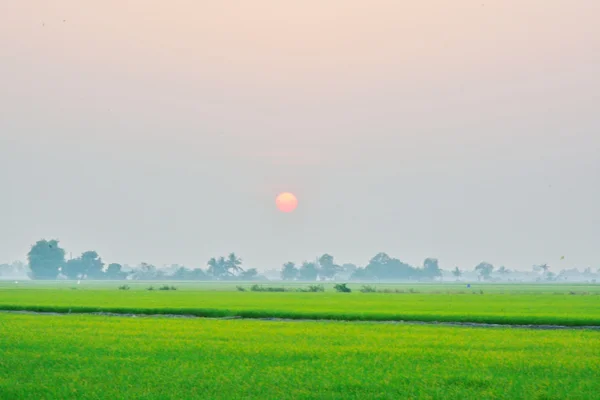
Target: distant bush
{"points": [[316, 288], [151, 288], [124, 287], [167, 287], [342, 288], [240, 288], [260, 288], [391, 291], [312, 289], [368, 289]]}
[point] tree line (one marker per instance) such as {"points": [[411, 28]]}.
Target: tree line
{"points": [[46, 260]]}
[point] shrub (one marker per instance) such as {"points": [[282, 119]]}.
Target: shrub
{"points": [[150, 288], [312, 289], [369, 289], [124, 287], [260, 288], [240, 288], [167, 287], [342, 288]]}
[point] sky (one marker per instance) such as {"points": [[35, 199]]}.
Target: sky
{"points": [[161, 132]]}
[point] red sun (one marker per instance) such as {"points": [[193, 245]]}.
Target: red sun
{"points": [[286, 202]]}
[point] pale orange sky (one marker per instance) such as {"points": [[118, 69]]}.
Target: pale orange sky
{"points": [[463, 130]]}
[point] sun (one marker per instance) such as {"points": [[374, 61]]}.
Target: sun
{"points": [[286, 202]]}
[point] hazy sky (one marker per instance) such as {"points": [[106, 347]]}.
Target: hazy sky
{"points": [[162, 131]]}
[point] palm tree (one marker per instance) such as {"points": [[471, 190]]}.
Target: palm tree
{"points": [[233, 264], [457, 273], [216, 268]]}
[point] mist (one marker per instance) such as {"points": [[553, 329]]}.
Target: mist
{"points": [[162, 134]]}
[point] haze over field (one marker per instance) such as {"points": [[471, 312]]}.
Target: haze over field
{"points": [[162, 132]]}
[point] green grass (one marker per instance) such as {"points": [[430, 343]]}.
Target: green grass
{"points": [[503, 304], [94, 357]]}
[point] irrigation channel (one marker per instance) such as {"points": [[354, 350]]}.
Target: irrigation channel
{"points": [[436, 323]]}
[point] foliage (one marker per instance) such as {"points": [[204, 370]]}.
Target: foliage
{"points": [[147, 272], [249, 275], [327, 268], [124, 287], [485, 270], [312, 289], [308, 271], [289, 272], [88, 265], [368, 289], [223, 268], [167, 287], [115, 271], [342, 287], [457, 272], [45, 259], [431, 268], [384, 267], [260, 288]]}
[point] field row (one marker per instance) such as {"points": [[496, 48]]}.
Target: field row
{"points": [[499, 308]]}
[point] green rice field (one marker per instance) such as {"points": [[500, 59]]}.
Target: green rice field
{"points": [[576, 305], [91, 357], [77, 356]]}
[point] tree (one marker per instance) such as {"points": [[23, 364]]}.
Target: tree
{"points": [[217, 267], [17, 269], [147, 272], [289, 272], [503, 271], [360, 274], [485, 270], [45, 259], [327, 269], [88, 265], [198, 274], [384, 267], [431, 268], [115, 271], [249, 274], [308, 271], [233, 264], [222, 267], [457, 273]]}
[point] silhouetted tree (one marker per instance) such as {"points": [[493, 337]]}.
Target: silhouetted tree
{"points": [[289, 272], [308, 271], [88, 265], [431, 268], [147, 272], [217, 268], [485, 270], [45, 258], [327, 269], [249, 275], [115, 271], [457, 273], [384, 267], [233, 264]]}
